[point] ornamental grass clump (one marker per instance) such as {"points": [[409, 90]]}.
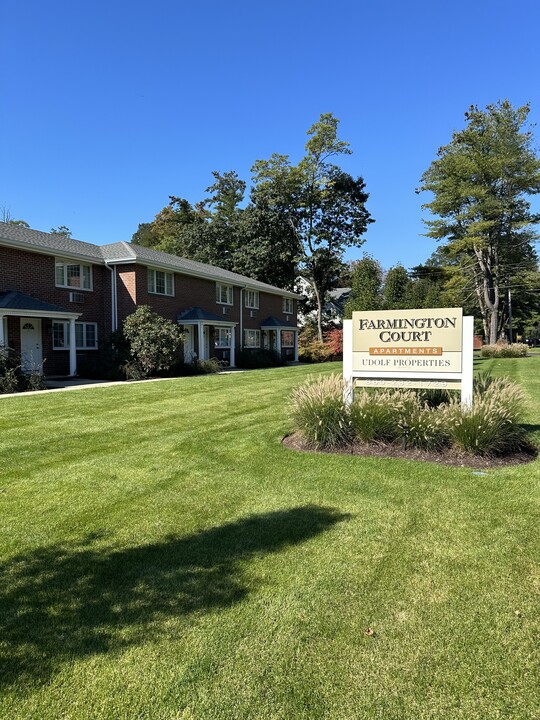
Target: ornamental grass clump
{"points": [[426, 427], [375, 416], [381, 416], [320, 413], [505, 350], [492, 425]]}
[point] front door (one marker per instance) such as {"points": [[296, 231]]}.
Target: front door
{"points": [[31, 349], [189, 344], [206, 335]]}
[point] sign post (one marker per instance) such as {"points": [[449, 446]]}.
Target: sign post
{"points": [[426, 348]]}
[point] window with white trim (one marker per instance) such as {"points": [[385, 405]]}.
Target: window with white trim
{"points": [[288, 306], [72, 275], [160, 282], [252, 299], [287, 339], [224, 294], [86, 337], [222, 337], [252, 338]]}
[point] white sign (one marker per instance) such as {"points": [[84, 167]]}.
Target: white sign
{"points": [[410, 348]]}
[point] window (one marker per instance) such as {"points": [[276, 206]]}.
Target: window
{"points": [[224, 294], [85, 336], [73, 275], [252, 338], [252, 299], [160, 282], [288, 306], [222, 337], [287, 339]]}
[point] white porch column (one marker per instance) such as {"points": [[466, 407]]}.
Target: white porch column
{"points": [[278, 341], [72, 348], [296, 346], [2, 336], [233, 342], [201, 341]]}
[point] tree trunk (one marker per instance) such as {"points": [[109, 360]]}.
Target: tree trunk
{"points": [[319, 312]]}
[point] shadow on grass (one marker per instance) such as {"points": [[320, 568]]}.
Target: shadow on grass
{"points": [[73, 600]]}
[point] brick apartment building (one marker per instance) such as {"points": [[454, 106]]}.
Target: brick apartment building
{"points": [[59, 298]]}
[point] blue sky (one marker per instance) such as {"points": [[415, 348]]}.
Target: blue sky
{"points": [[108, 108]]}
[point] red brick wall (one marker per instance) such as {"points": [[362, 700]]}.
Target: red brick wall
{"points": [[33, 274], [194, 292]]}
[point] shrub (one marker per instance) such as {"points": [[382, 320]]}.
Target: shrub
{"points": [[319, 412], [491, 426], [333, 342], [155, 343], [513, 350], [257, 358], [12, 379]]}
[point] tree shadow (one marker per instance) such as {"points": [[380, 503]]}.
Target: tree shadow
{"points": [[68, 601]]}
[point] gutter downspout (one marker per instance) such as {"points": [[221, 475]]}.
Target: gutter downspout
{"points": [[241, 339]]}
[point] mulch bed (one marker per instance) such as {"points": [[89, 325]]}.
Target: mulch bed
{"points": [[447, 456]]}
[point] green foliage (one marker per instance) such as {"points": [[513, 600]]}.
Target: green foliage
{"points": [[380, 416], [366, 287], [397, 288], [12, 379], [375, 416], [492, 425], [257, 358], [480, 182], [155, 343], [319, 412], [504, 350]]}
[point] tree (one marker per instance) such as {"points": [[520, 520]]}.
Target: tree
{"points": [[366, 286], [397, 287], [323, 206], [62, 230], [480, 182], [6, 217]]}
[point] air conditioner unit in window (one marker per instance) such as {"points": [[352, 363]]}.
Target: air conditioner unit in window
{"points": [[76, 297]]}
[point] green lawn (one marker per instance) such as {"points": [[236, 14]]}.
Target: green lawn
{"points": [[163, 557]]}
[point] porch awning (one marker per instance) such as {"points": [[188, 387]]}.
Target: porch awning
{"points": [[274, 323], [196, 315], [19, 304]]}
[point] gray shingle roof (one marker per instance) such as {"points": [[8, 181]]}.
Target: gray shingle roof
{"points": [[196, 313], [274, 322], [42, 241], [123, 251], [12, 300]]}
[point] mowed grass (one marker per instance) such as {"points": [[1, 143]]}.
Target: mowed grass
{"points": [[163, 556]]}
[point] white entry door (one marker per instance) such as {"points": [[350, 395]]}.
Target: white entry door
{"points": [[189, 344], [31, 348]]}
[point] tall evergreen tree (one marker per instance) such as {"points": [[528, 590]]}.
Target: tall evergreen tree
{"points": [[480, 183]]}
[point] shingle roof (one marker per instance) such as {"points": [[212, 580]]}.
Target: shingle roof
{"points": [[197, 313], [274, 322], [124, 251], [12, 300], [43, 240]]}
